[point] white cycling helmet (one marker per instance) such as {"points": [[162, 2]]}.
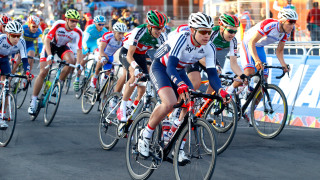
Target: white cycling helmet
{"points": [[289, 14], [34, 20], [14, 27], [200, 20], [119, 27]]}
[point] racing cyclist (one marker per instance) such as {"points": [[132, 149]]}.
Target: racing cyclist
{"points": [[266, 32], [110, 43], [4, 19], [10, 43], [89, 43], [56, 41], [133, 55], [169, 77]]}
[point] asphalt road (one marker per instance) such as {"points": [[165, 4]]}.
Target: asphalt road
{"points": [[70, 149]]}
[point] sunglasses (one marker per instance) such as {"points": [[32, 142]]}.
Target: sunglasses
{"points": [[15, 35], [231, 31], [204, 32], [74, 21], [292, 21], [34, 27], [157, 28], [101, 24]]}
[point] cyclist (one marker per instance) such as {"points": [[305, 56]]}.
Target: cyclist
{"points": [[133, 54], [10, 43], [56, 41], [110, 43], [4, 19], [31, 32], [266, 32], [90, 36], [169, 77]]}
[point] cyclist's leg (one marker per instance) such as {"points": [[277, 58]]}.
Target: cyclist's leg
{"points": [[16, 65], [31, 52], [66, 54], [124, 62], [193, 71]]}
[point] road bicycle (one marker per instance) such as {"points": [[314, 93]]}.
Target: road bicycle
{"points": [[51, 94], [8, 111], [201, 162]]}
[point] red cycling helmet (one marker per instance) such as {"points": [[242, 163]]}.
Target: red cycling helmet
{"points": [[4, 19]]}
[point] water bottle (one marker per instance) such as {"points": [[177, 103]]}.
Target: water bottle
{"points": [[166, 126], [47, 86]]}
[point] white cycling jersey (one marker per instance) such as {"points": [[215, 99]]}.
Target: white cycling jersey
{"points": [[60, 36], [182, 47], [112, 44], [6, 48], [269, 29]]}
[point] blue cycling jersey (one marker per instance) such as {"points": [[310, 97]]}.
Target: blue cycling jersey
{"points": [[28, 36], [90, 36]]}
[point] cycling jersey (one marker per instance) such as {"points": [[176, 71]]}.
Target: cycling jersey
{"points": [[6, 49], [29, 37], [141, 38], [90, 36], [112, 44]]}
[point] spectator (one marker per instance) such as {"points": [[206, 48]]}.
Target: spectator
{"points": [[313, 21], [246, 22], [263, 14], [89, 20], [128, 20], [288, 6], [114, 19]]}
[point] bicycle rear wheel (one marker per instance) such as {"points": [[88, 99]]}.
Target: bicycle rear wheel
{"points": [[68, 82], [52, 103], [202, 163], [138, 167], [269, 111], [20, 93], [7, 133], [224, 123], [89, 98], [108, 124]]}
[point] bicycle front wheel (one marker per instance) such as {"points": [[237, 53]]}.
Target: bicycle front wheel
{"points": [[138, 167], [10, 119], [224, 123], [21, 92], [108, 125], [68, 83], [89, 98], [269, 110], [52, 103], [201, 163]]}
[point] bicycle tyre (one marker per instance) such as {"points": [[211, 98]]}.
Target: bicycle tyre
{"points": [[88, 99], [53, 95], [104, 126], [132, 148], [68, 82], [20, 93], [188, 171], [224, 133], [265, 126], [6, 134]]}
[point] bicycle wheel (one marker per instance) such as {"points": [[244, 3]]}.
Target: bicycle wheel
{"points": [[269, 111], [52, 103], [7, 133], [108, 124], [89, 98], [202, 163], [224, 124], [82, 84], [68, 83], [139, 167], [20, 93]]}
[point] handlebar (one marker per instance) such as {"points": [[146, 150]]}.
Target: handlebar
{"points": [[34, 58], [279, 67], [138, 79], [60, 62]]}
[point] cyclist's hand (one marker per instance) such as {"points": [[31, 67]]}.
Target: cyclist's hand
{"points": [[286, 68], [50, 59], [244, 78], [225, 96], [29, 76], [183, 93], [104, 60], [259, 65], [79, 67], [137, 72], [219, 69]]}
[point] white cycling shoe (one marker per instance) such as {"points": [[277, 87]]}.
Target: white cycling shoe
{"points": [[143, 145], [182, 159]]}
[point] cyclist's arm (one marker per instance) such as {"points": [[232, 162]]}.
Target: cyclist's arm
{"points": [[252, 46], [86, 36], [47, 45], [23, 55], [214, 80], [279, 53], [79, 55], [235, 66], [103, 45], [130, 53], [172, 71]]}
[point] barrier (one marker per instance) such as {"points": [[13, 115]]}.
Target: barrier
{"points": [[302, 88]]}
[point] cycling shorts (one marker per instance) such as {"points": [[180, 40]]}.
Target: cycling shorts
{"points": [[30, 46], [139, 58], [195, 67], [160, 78], [247, 60], [60, 51], [5, 65]]}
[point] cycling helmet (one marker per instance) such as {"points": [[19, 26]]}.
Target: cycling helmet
{"points": [[14, 27], [4, 19], [156, 18], [200, 20], [119, 27], [229, 20], [289, 14], [72, 14], [34, 20], [99, 19]]}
